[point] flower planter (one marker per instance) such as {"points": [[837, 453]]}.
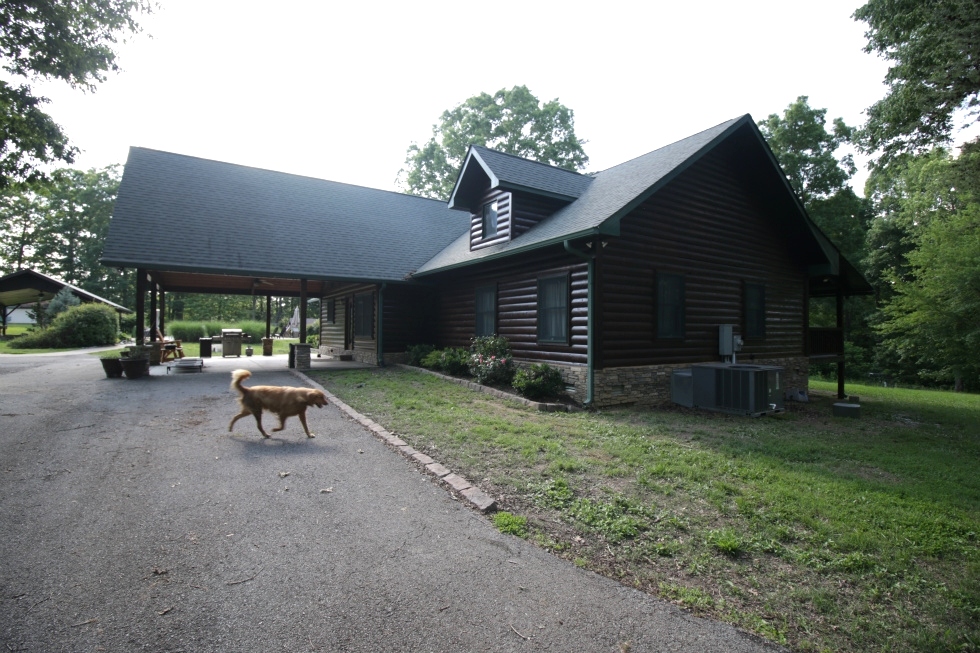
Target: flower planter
{"points": [[134, 368], [112, 367]]}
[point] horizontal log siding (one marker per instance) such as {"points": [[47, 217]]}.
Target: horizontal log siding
{"points": [[516, 279], [705, 226], [332, 333], [408, 314], [503, 200], [365, 349], [527, 210]]}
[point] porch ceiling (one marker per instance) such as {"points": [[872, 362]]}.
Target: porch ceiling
{"points": [[226, 284]]}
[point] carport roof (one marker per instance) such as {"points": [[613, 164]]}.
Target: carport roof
{"points": [[185, 214], [28, 286]]}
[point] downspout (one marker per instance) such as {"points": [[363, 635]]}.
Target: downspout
{"points": [[381, 321], [590, 340]]}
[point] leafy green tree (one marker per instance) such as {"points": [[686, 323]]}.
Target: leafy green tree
{"points": [[21, 214], [932, 324], [511, 121], [934, 49], [53, 40], [77, 206]]}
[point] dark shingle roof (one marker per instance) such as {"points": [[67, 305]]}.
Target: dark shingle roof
{"points": [[183, 213], [514, 172], [607, 197]]}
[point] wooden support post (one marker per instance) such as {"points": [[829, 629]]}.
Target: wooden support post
{"points": [[268, 316], [140, 305], [840, 329], [302, 311]]}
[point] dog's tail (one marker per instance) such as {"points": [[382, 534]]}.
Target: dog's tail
{"points": [[236, 380]]}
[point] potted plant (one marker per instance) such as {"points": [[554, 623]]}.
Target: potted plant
{"points": [[112, 366], [136, 362]]}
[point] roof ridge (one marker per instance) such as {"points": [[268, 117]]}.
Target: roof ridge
{"points": [[280, 172], [730, 123], [526, 160]]}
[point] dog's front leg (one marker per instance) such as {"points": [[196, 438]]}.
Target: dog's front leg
{"points": [[302, 418], [258, 420]]}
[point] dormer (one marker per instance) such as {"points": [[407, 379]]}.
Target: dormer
{"points": [[506, 195]]}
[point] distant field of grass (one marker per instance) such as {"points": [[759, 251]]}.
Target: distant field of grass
{"points": [[817, 532]]}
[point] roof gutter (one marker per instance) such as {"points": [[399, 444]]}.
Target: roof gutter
{"points": [[590, 339]]}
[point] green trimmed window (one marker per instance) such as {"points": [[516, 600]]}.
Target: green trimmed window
{"points": [[364, 315], [553, 314], [486, 311], [754, 310], [670, 305], [490, 219]]}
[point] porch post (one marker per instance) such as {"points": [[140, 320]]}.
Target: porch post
{"points": [[140, 304], [840, 331], [153, 311], [302, 311], [268, 316]]}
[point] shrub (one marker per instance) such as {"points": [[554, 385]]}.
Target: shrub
{"points": [[86, 325], [539, 381], [186, 331], [491, 361], [213, 329], [417, 353], [253, 331], [313, 335], [453, 361]]}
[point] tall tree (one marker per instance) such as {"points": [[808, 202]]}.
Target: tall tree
{"points": [[21, 215], [809, 156], [934, 48], [52, 39], [78, 206], [510, 120]]}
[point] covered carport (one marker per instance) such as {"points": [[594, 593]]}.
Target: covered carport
{"points": [[194, 225], [29, 287]]}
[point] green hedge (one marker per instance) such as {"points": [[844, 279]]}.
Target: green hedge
{"points": [[86, 325]]}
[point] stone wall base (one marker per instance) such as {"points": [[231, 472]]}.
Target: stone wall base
{"points": [[649, 385]]}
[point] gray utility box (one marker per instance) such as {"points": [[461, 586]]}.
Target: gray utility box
{"points": [[231, 342], [682, 388], [737, 388]]}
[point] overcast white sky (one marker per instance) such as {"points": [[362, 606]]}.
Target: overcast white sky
{"points": [[338, 90]]}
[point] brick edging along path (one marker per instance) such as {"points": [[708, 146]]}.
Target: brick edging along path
{"points": [[474, 495]]}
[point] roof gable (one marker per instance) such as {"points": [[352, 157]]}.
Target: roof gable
{"points": [[484, 168]]}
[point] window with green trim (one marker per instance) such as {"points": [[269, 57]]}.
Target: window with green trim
{"points": [[490, 219], [754, 310], [364, 315], [486, 311], [670, 305], [553, 309]]}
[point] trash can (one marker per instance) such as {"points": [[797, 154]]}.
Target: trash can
{"points": [[205, 347], [231, 342]]}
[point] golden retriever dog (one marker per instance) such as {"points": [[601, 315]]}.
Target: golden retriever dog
{"points": [[281, 400]]}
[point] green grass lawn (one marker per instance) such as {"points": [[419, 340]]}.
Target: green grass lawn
{"points": [[820, 533]]}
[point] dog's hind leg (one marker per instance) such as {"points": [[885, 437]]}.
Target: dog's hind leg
{"points": [[258, 421], [282, 423], [302, 418]]}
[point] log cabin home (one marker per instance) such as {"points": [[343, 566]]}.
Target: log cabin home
{"points": [[618, 279]]}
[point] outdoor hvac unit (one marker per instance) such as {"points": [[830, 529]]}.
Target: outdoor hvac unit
{"points": [[737, 388]]}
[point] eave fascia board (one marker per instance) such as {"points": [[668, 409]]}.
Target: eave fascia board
{"points": [[558, 240], [537, 191], [228, 272]]}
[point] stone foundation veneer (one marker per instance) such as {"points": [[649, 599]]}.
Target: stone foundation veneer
{"points": [[649, 385]]}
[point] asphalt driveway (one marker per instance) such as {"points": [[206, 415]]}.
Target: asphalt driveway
{"points": [[131, 520]]}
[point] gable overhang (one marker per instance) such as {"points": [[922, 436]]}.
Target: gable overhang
{"points": [[473, 174]]}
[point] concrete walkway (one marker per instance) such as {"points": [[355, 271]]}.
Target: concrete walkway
{"points": [[131, 520]]}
